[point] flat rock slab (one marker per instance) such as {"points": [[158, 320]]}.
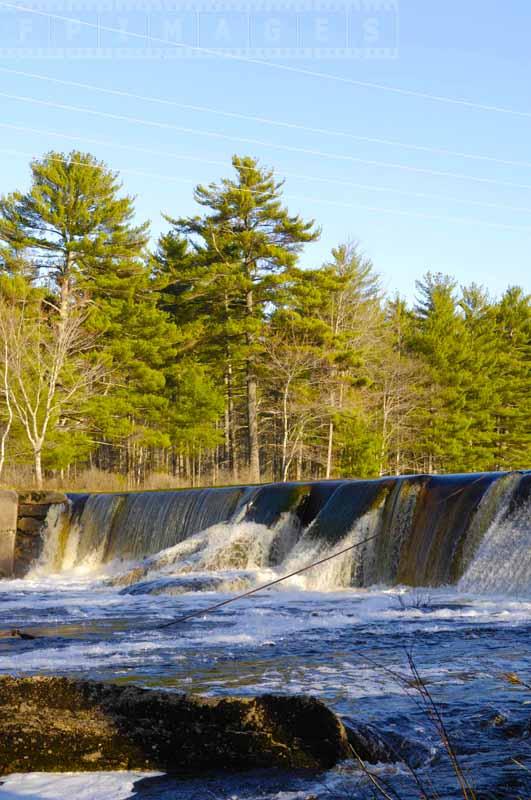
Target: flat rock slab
{"points": [[41, 497], [60, 725], [38, 510]]}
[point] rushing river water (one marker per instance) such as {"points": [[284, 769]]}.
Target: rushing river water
{"points": [[98, 596]]}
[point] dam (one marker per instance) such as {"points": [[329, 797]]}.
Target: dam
{"points": [[423, 531]]}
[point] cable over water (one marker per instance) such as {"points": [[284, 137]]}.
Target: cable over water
{"points": [[257, 589]]}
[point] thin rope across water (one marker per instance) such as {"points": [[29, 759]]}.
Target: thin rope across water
{"points": [[201, 612]]}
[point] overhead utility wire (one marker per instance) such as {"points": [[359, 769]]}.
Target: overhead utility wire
{"points": [[285, 174], [261, 142], [274, 65], [318, 200], [441, 151]]}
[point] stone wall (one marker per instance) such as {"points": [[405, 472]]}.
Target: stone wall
{"points": [[22, 522], [33, 508], [8, 529]]}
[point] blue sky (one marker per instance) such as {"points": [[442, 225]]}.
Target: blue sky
{"points": [[474, 223]]}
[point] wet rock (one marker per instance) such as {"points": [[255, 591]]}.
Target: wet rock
{"points": [[29, 524], [189, 583], [38, 510], [16, 633], [384, 748], [369, 745], [28, 547], [60, 724], [518, 726]]}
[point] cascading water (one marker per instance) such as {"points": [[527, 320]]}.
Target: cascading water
{"points": [[117, 568], [424, 531], [502, 562]]}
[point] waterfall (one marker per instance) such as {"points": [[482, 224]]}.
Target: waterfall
{"points": [[473, 531], [502, 562]]}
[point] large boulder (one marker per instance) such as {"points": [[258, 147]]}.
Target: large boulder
{"points": [[59, 724]]}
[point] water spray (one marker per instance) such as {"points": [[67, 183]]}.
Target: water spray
{"points": [[200, 612]]}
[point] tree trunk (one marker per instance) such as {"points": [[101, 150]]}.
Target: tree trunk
{"points": [[299, 461], [38, 469], [230, 441], [383, 445], [7, 399], [3, 443], [252, 431], [252, 409], [330, 449], [285, 435]]}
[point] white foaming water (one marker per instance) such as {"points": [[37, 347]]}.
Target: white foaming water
{"points": [[84, 786], [214, 537], [340, 572], [503, 560], [56, 534], [227, 556]]}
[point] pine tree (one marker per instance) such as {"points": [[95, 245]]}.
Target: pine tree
{"points": [[482, 394], [245, 240], [400, 388], [440, 339], [76, 230], [513, 411], [344, 297], [75, 227]]}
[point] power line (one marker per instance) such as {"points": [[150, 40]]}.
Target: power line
{"points": [[306, 198], [262, 143], [297, 176], [273, 65], [267, 120]]}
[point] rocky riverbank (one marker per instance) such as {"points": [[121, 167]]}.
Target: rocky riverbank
{"points": [[59, 724]]}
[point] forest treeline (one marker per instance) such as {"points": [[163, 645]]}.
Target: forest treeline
{"points": [[215, 358]]}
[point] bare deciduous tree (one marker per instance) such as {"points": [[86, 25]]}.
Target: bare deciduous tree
{"points": [[45, 365], [5, 393]]}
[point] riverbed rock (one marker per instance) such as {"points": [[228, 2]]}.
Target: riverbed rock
{"points": [[16, 633], [389, 747], [60, 724]]}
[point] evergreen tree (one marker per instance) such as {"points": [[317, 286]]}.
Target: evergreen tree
{"points": [[243, 242], [344, 297], [482, 395], [513, 411], [76, 230], [440, 339], [400, 387], [218, 359], [73, 225]]}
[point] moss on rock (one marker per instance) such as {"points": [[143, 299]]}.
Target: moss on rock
{"points": [[60, 724]]}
